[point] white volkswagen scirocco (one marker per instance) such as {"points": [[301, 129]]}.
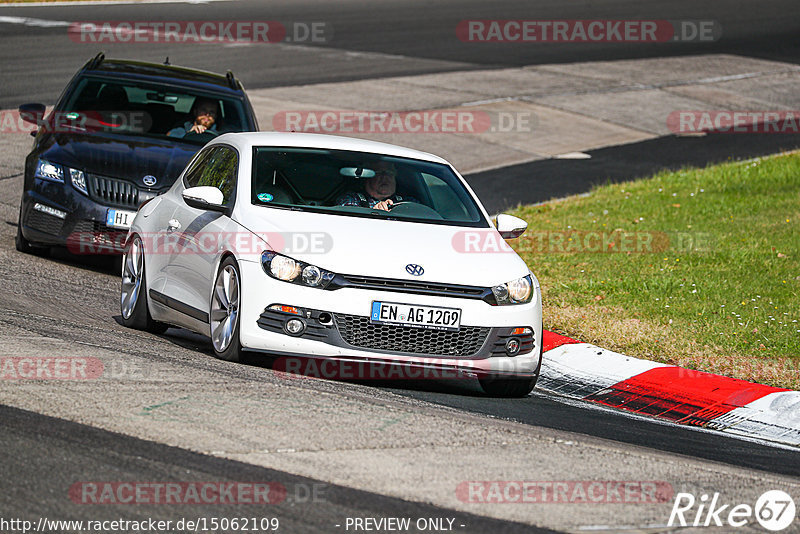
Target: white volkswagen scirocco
{"points": [[317, 246]]}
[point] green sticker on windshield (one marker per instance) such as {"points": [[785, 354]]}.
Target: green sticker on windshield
{"points": [[264, 197], [72, 115]]}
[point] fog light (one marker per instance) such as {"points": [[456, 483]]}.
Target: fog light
{"points": [[512, 346], [50, 211], [295, 326]]}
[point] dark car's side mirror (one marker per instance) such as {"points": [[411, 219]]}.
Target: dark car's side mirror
{"points": [[32, 113]]}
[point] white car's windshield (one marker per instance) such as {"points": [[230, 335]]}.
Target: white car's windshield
{"points": [[361, 184]]}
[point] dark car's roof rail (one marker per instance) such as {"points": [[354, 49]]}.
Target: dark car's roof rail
{"points": [[95, 61], [232, 81]]}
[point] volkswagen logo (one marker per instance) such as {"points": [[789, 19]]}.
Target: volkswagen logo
{"points": [[149, 180], [415, 270]]}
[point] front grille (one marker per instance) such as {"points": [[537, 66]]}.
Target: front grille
{"points": [[113, 192], [410, 286], [44, 222], [359, 332]]}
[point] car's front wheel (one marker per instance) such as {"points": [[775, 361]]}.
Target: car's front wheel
{"points": [[133, 293], [23, 245], [511, 387], [225, 303], [508, 387]]}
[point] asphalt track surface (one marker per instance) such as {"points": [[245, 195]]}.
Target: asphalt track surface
{"points": [[84, 454], [499, 189], [375, 39], [43, 454], [536, 410]]}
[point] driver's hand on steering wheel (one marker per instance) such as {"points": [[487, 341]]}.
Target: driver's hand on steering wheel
{"points": [[384, 205], [197, 128]]}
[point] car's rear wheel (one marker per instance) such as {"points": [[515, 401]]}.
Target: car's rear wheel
{"points": [[133, 293], [224, 316]]}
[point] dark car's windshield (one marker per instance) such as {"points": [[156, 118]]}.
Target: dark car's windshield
{"points": [[132, 108], [352, 183]]}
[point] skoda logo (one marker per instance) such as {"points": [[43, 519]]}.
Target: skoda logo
{"points": [[149, 180], [414, 269]]}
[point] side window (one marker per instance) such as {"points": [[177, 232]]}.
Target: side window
{"points": [[192, 176], [217, 169]]}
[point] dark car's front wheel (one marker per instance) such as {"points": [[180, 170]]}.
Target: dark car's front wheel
{"points": [[23, 245], [225, 303], [133, 293]]}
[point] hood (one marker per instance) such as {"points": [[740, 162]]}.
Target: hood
{"points": [[383, 248], [120, 157]]}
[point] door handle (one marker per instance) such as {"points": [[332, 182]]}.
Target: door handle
{"points": [[172, 225]]}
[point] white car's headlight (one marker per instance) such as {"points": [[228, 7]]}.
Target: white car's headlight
{"points": [[49, 171], [519, 291], [287, 269], [284, 268]]}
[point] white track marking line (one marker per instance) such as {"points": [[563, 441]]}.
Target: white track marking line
{"points": [[30, 21], [109, 3]]}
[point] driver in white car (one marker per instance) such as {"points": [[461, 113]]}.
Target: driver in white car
{"points": [[381, 190], [205, 113]]}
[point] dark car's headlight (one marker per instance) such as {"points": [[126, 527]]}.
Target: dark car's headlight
{"points": [[49, 171], [287, 269], [78, 179], [519, 291], [56, 172]]}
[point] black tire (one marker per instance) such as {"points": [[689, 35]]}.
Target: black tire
{"points": [[220, 311], [138, 314], [498, 386], [508, 387], [23, 245]]}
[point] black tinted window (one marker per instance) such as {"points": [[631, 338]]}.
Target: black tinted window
{"points": [[115, 106]]}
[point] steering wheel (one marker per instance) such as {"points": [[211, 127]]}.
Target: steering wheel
{"points": [[211, 133], [413, 208]]}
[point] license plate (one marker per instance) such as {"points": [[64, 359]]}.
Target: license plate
{"points": [[412, 315], [119, 218]]}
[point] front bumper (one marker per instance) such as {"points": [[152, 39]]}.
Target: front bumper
{"points": [[55, 214], [345, 332]]}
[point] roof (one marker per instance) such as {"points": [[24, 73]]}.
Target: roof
{"points": [[333, 142]]}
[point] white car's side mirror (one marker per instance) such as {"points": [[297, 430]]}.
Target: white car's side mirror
{"points": [[510, 226], [204, 197]]}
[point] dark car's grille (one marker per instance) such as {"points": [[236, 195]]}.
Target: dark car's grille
{"points": [[113, 192], [359, 332], [409, 286], [44, 222]]}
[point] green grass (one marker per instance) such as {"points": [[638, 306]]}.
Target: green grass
{"points": [[718, 286]]}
